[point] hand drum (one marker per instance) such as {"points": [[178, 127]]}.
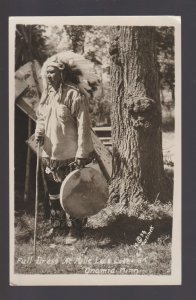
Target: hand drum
{"points": [[84, 193]]}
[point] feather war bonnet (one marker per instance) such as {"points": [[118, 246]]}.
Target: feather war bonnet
{"points": [[80, 66]]}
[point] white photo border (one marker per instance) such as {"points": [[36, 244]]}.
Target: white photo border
{"points": [[86, 279]]}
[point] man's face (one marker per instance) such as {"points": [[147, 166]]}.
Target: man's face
{"points": [[53, 75]]}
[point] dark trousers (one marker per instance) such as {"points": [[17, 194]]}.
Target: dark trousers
{"points": [[57, 214]]}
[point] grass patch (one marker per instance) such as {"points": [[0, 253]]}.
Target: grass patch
{"points": [[111, 249]]}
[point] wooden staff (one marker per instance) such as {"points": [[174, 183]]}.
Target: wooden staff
{"points": [[36, 199], [28, 161]]}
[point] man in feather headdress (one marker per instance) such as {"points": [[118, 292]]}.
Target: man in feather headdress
{"points": [[63, 129]]}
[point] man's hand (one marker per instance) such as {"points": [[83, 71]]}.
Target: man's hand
{"points": [[39, 139], [81, 162]]}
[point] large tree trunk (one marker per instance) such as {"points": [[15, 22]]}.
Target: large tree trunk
{"points": [[136, 117], [77, 36]]}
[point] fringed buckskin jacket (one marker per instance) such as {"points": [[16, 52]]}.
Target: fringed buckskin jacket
{"points": [[63, 120]]}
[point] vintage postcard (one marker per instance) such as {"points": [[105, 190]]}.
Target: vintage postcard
{"points": [[95, 150]]}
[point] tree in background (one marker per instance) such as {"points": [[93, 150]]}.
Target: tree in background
{"points": [[138, 173], [77, 36], [30, 44], [165, 55], [97, 50]]}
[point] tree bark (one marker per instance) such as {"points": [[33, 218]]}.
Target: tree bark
{"points": [[136, 117]]}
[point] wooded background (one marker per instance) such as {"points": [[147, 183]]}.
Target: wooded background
{"points": [[40, 42]]}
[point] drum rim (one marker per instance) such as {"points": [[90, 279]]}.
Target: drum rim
{"points": [[67, 178], [65, 181]]}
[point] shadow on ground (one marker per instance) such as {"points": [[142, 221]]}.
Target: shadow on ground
{"points": [[126, 230]]}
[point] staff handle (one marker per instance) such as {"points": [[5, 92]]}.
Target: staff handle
{"points": [[36, 198]]}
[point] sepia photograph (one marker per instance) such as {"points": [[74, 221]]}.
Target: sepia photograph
{"points": [[95, 150]]}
